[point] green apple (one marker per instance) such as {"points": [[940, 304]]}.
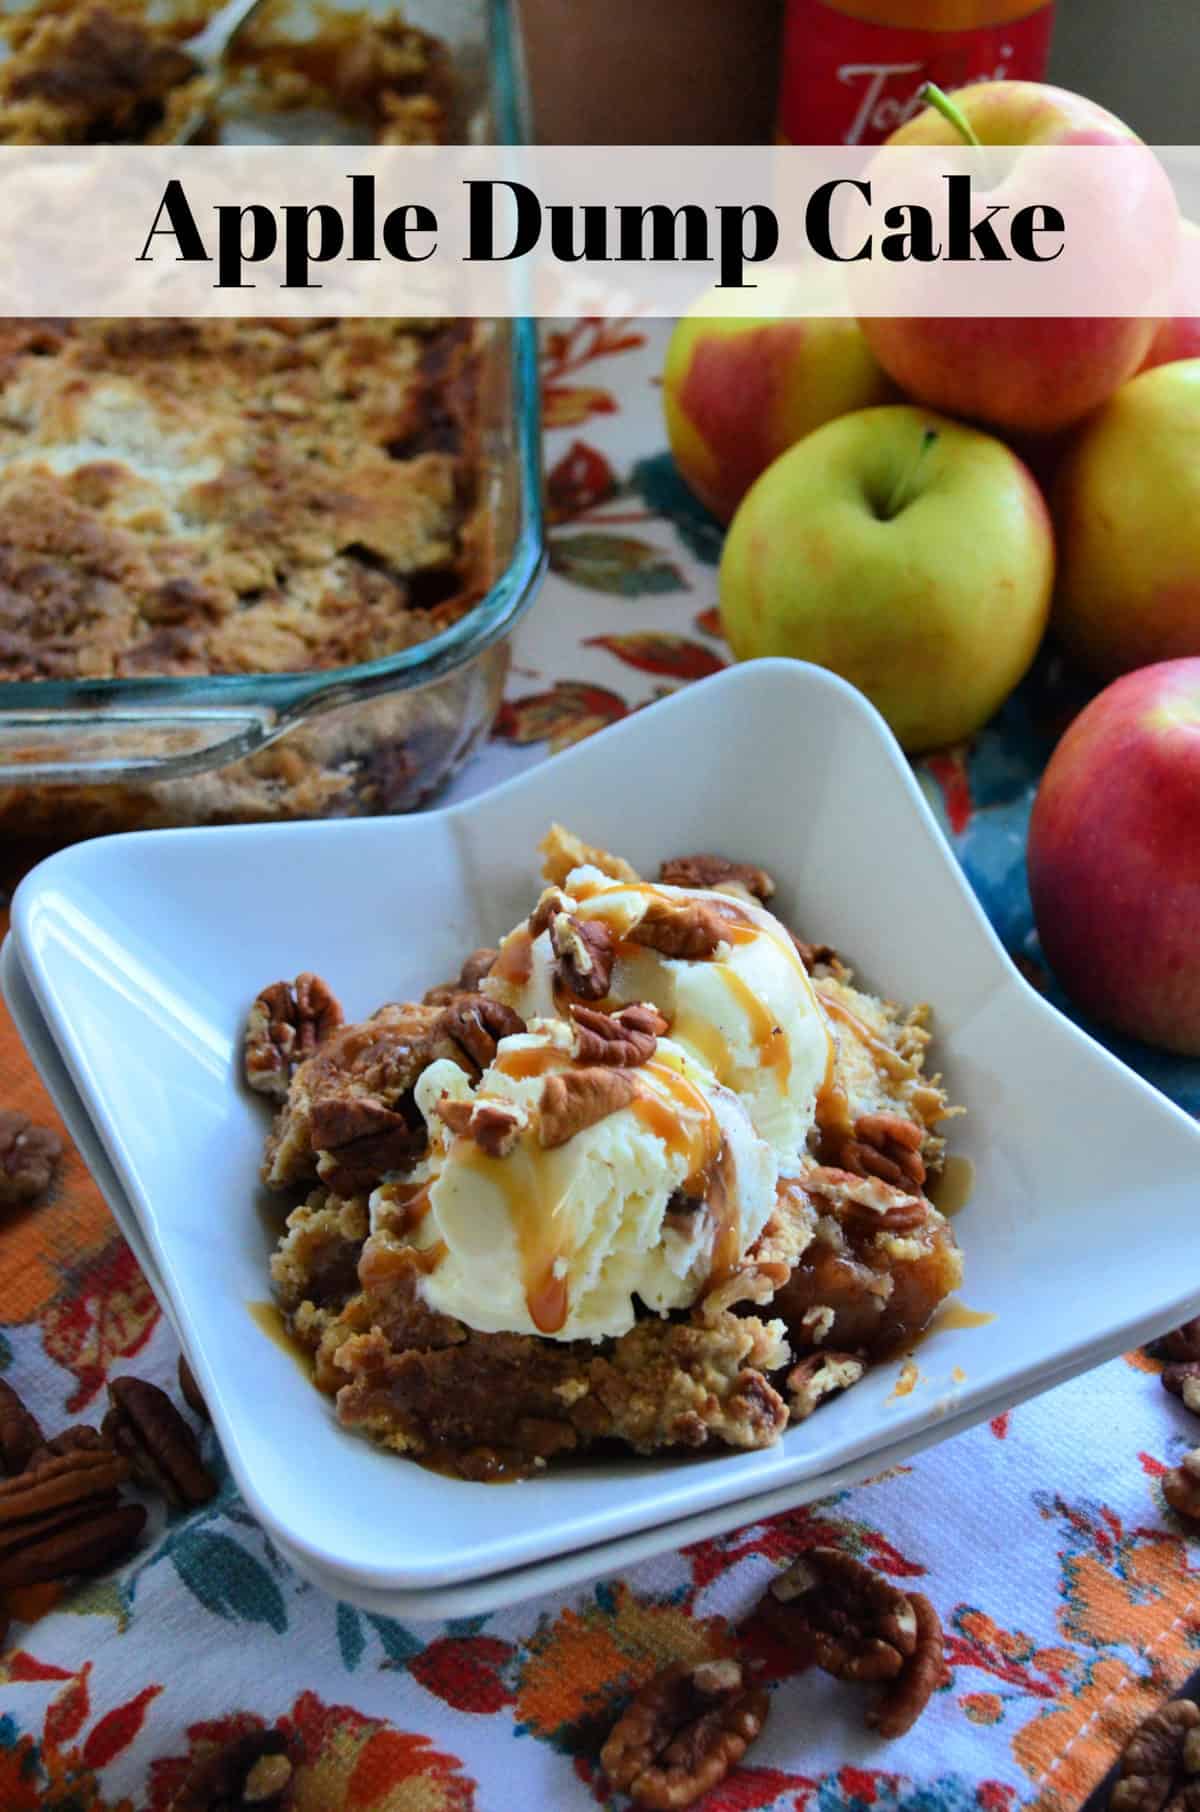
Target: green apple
{"points": [[1126, 504], [907, 552]]}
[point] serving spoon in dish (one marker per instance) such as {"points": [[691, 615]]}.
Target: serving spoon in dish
{"points": [[208, 50]]}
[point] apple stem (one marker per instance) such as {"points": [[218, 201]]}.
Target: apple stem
{"points": [[940, 101], [904, 484]]}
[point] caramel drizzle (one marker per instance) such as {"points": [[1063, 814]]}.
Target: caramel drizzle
{"points": [[523, 1180], [688, 1127], [684, 1120], [515, 961], [774, 1052], [401, 1207], [671, 1107], [703, 1036], [534, 1060], [891, 1060], [954, 1314], [268, 1317], [740, 929], [725, 1210], [951, 1190], [428, 1258]]}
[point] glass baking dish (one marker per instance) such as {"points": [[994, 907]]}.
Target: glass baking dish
{"points": [[78, 757]]}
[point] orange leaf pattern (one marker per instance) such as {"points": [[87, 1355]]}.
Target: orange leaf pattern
{"points": [[672, 655], [565, 714]]}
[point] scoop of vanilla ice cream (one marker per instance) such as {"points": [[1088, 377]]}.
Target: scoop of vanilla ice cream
{"points": [[749, 1015], [558, 1242]]}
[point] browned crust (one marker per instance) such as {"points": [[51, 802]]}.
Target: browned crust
{"points": [[278, 496]]}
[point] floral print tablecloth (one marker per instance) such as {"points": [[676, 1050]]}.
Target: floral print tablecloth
{"points": [[1069, 1593]]}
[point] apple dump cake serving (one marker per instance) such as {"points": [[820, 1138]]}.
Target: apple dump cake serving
{"points": [[653, 1173]]}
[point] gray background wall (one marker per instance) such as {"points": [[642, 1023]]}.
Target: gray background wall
{"points": [[1139, 57]]}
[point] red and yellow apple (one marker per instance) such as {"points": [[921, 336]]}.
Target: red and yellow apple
{"points": [[1127, 510], [1024, 374], [1114, 857], [738, 392], [909, 553], [1178, 336]]}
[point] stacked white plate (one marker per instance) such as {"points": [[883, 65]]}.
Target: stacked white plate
{"points": [[131, 964]]}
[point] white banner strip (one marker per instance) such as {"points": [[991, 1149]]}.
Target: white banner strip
{"points": [[632, 230]]}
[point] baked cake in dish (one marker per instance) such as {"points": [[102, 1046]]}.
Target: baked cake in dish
{"points": [[191, 497], [82, 72], [654, 1173]]}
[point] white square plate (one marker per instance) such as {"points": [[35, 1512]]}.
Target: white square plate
{"points": [[495, 1590], [144, 952]]}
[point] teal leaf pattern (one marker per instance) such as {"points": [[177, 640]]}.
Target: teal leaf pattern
{"points": [[468, 1626], [227, 1580], [658, 484], [399, 1645], [620, 565], [351, 1640]]}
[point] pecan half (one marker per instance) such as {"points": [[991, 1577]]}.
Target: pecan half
{"points": [[495, 1126], [59, 1481], [1157, 1759], [814, 956], [475, 1025], [359, 1140], [28, 1154], [898, 1708], [89, 1543], [61, 1516], [145, 1426], [1183, 1343], [1181, 1486], [1183, 1381], [189, 1390], [683, 928], [285, 1025], [682, 1733], [79, 1438], [703, 870], [887, 1146], [625, 1039], [820, 1376], [552, 902], [866, 1201], [586, 951], [477, 965], [20, 1436], [573, 1100], [254, 1771], [847, 1617]]}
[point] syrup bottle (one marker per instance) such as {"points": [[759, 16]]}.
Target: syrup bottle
{"points": [[853, 70]]}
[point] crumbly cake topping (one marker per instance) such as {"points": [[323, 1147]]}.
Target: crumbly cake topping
{"points": [[851, 1264], [189, 497], [96, 72], [107, 72]]}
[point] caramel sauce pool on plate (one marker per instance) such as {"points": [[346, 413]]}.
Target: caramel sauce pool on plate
{"points": [[268, 1316]]}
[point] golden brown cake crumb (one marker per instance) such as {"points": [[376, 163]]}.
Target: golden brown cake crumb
{"points": [[96, 72], [190, 497]]}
